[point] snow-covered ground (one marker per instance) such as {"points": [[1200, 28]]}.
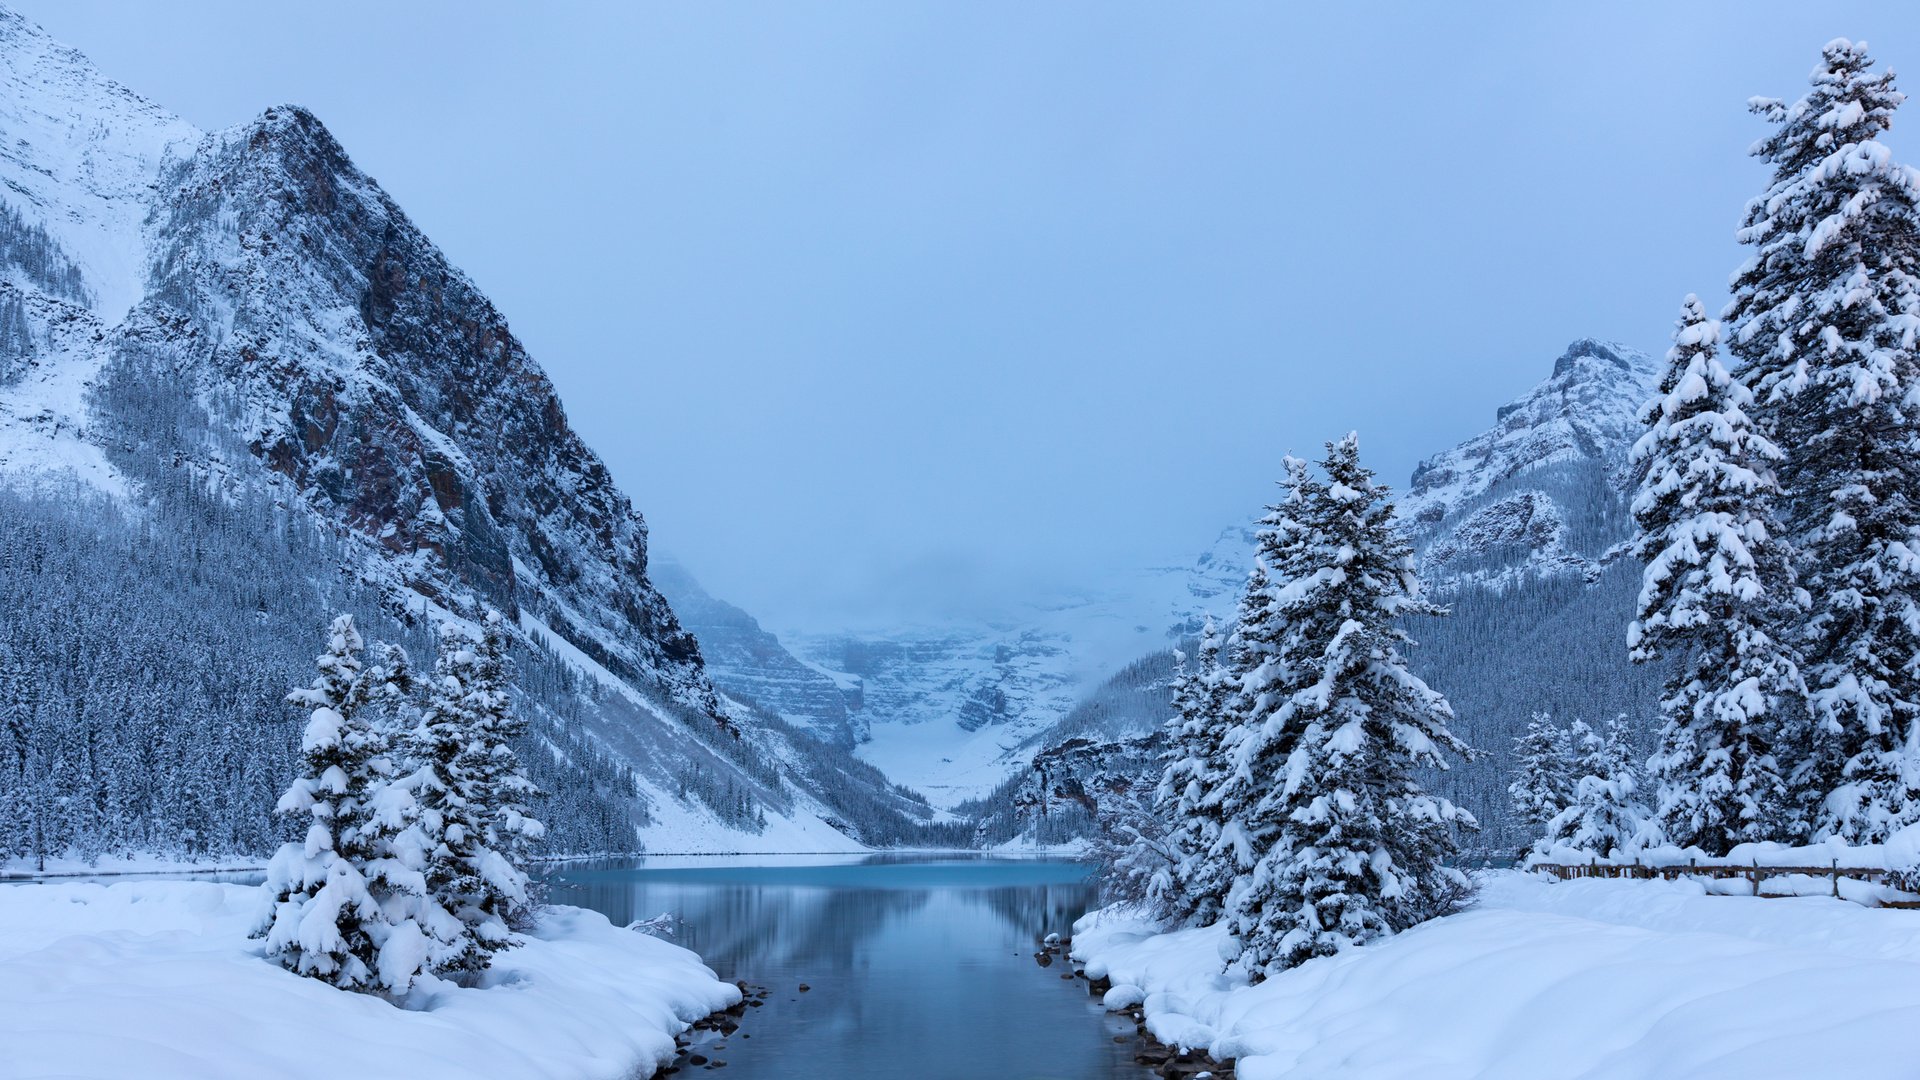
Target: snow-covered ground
{"points": [[158, 979], [1574, 979]]}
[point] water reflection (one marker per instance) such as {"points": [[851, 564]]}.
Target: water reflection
{"points": [[918, 967]]}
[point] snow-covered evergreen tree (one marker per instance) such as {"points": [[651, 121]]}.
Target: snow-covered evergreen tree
{"points": [[1542, 785], [1131, 840], [1606, 817], [1717, 602], [1261, 675], [1195, 765], [1824, 316], [512, 830], [472, 794], [348, 903], [1351, 846]]}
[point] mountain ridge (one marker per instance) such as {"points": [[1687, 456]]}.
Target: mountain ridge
{"points": [[253, 331]]}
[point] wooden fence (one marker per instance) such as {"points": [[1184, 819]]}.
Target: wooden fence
{"points": [[1755, 874]]}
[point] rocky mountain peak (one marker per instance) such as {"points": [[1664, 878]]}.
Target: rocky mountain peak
{"points": [[1586, 411], [1592, 350], [258, 273]]}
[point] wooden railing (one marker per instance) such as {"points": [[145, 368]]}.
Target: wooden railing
{"points": [[1754, 873]]}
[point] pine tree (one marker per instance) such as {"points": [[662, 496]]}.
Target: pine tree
{"points": [[1716, 601], [1130, 840], [1195, 766], [348, 905], [472, 794], [1542, 786], [1353, 846], [1263, 673], [1823, 319], [512, 829], [1605, 817]]}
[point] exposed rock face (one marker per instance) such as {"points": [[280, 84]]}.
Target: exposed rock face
{"points": [[749, 662], [257, 272], [389, 390]]}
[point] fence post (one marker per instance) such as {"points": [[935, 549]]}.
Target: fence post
{"points": [[1756, 876], [1836, 879]]}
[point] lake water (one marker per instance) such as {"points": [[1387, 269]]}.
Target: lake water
{"points": [[918, 967]]}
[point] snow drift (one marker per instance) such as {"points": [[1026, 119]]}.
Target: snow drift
{"points": [[1579, 979], [158, 979]]}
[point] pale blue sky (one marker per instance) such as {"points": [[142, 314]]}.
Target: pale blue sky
{"points": [[875, 307]]}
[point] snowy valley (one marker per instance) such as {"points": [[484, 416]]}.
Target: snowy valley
{"points": [[353, 721], [353, 404]]}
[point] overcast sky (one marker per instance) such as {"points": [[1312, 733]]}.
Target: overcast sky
{"points": [[878, 308]]}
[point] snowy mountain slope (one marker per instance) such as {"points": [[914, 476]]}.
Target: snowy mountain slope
{"points": [[948, 710], [82, 160], [213, 330], [49, 356], [952, 710], [749, 662], [1543, 492], [939, 707], [945, 710], [376, 377], [1522, 531], [1541, 495]]}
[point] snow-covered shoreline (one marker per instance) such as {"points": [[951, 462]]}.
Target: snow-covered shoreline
{"points": [[1582, 978], [159, 979]]}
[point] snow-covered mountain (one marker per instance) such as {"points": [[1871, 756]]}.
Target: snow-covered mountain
{"points": [[1520, 529], [205, 328], [1541, 493], [946, 710], [751, 664]]}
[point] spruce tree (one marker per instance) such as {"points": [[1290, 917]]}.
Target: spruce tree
{"points": [[347, 903], [1606, 817], [1717, 602], [322, 912], [472, 794], [1542, 786], [1352, 846], [1195, 766], [1823, 319], [512, 830], [1263, 673]]}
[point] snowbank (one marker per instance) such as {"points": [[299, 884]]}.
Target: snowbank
{"points": [[1583, 978], [158, 979]]}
